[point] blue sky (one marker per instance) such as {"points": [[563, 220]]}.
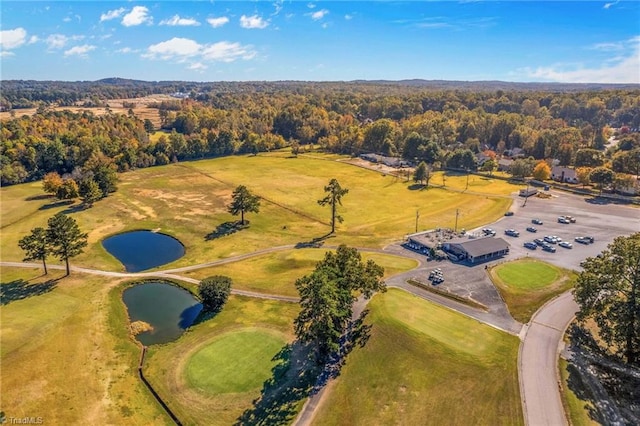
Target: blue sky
{"points": [[560, 41]]}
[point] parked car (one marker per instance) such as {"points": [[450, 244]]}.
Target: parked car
{"points": [[508, 214], [581, 240], [539, 241], [565, 244], [488, 231], [512, 232], [536, 221], [590, 239], [571, 219], [550, 239], [549, 248], [531, 245], [563, 219], [531, 229]]}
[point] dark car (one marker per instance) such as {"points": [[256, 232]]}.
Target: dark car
{"points": [[539, 241], [536, 221], [508, 214], [531, 229], [531, 245], [512, 232], [549, 248]]}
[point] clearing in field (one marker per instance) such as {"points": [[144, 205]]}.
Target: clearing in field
{"points": [[423, 361], [526, 284]]}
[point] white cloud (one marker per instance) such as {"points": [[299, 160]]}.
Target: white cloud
{"points": [[198, 66], [608, 5], [195, 54], [251, 22], [177, 47], [5, 54], [608, 47], [622, 68], [319, 14], [218, 22], [67, 19], [33, 39], [176, 20], [348, 17], [58, 41], [10, 39], [126, 50], [112, 14], [311, 5], [79, 50], [225, 51], [138, 15]]}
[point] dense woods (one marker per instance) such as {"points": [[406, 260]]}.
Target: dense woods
{"points": [[441, 125]]}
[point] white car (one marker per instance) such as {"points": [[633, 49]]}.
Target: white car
{"points": [[565, 244]]}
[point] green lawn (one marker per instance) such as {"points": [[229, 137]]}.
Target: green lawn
{"points": [[276, 273], [234, 362], [236, 349], [66, 353], [426, 364], [526, 284]]}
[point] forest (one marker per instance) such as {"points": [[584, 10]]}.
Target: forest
{"points": [[443, 124]]}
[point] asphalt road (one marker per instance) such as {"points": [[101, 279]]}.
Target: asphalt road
{"points": [[537, 362]]}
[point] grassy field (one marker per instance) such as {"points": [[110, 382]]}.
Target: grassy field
{"points": [[276, 273], [577, 408], [526, 284], [426, 364], [66, 355], [188, 201], [203, 400]]}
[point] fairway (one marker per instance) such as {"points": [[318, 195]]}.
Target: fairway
{"points": [[69, 342], [526, 284], [426, 363], [235, 362], [276, 273], [188, 201]]}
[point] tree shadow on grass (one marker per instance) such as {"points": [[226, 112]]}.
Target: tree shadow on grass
{"points": [[416, 187], [60, 203], [225, 229], [39, 197], [290, 383], [315, 242], [21, 289]]}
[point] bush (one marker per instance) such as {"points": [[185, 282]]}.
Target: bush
{"points": [[214, 292]]}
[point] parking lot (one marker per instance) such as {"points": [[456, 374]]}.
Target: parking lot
{"points": [[604, 222]]}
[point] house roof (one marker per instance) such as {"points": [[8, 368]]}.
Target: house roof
{"points": [[480, 246]]}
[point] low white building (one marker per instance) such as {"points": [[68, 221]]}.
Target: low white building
{"points": [[564, 174]]}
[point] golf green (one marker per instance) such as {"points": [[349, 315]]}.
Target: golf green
{"points": [[234, 362]]}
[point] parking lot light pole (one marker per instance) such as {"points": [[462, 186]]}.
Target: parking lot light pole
{"points": [[417, 216]]}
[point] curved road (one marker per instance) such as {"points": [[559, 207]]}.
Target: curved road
{"points": [[538, 362]]}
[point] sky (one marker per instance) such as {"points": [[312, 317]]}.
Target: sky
{"points": [[540, 41]]}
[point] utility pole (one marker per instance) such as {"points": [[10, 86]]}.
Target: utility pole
{"points": [[417, 216], [527, 195], [457, 213], [467, 187]]}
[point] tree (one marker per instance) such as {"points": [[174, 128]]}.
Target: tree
{"points": [[601, 176], [588, 157], [65, 237], [51, 183], [68, 190], [90, 192], [521, 168], [334, 197], [214, 292], [243, 201], [489, 166], [327, 296], [541, 171], [582, 173], [36, 246], [422, 173], [608, 291], [148, 126]]}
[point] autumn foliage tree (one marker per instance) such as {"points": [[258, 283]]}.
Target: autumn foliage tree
{"points": [[541, 171]]}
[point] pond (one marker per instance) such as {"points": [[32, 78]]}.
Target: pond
{"points": [[140, 250], [167, 308]]}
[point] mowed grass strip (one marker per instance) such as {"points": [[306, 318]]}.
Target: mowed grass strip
{"points": [[202, 403], [276, 273], [66, 353], [426, 364], [235, 362], [526, 284]]}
